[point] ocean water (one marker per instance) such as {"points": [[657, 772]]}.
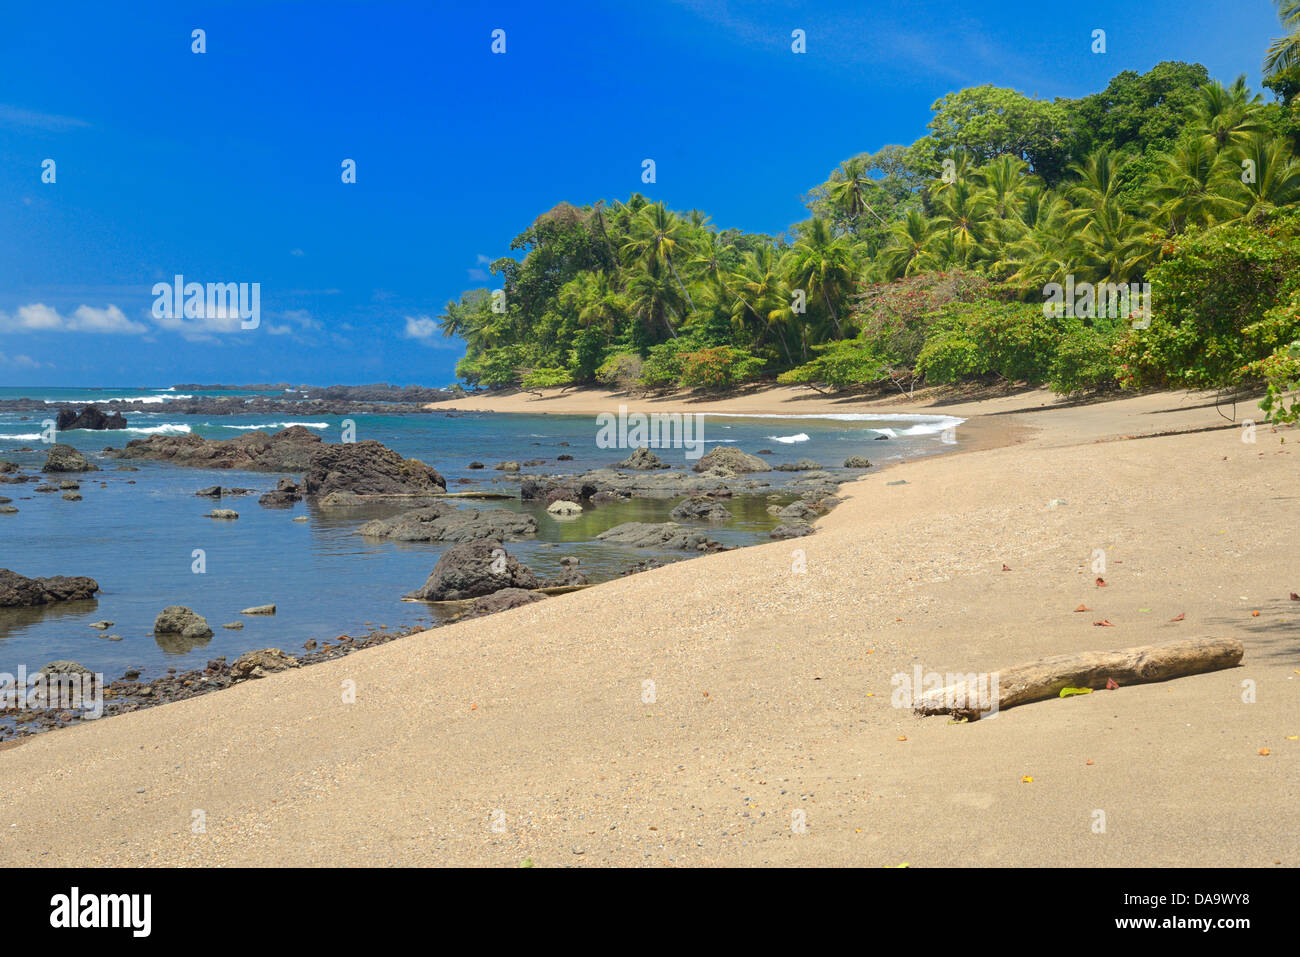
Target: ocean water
{"points": [[137, 533]]}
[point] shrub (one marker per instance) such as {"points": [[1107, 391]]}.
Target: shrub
{"points": [[840, 365], [620, 371], [1281, 371], [718, 367], [545, 377], [662, 368], [1213, 299], [895, 316], [1085, 359], [1011, 339]]}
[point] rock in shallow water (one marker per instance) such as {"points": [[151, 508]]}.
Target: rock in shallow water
{"points": [[179, 620], [472, 569], [18, 591], [446, 523]]}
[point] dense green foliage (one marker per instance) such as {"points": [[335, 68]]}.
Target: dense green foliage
{"points": [[930, 262]]}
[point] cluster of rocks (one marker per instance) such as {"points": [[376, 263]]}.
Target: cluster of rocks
{"points": [[64, 458], [482, 567], [89, 417], [443, 522], [332, 473], [18, 591]]}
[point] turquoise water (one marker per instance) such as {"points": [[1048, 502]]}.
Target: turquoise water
{"points": [[136, 532]]}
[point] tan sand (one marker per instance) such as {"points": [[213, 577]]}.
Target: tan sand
{"points": [[773, 694]]}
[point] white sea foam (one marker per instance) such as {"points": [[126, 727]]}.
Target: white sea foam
{"points": [[166, 429], [102, 399], [789, 439], [24, 437], [923, 424], [273, 425]]}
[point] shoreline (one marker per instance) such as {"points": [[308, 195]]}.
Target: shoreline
{"points": [[773, 691]]}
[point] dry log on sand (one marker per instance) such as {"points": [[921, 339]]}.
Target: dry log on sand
{"points": [[974, 695]]}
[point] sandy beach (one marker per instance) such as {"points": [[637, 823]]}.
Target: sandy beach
{"points": [[534, 735]]}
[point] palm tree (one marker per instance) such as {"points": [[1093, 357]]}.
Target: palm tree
{"points": [[822, 266], [1227, 116], [763, 297], [962, 210], [657, 234], [847, 191], [1189, 188], [1275, 181], [910, 249], [1284, 52]]}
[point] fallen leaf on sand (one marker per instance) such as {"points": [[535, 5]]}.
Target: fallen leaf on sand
{"points": [[1083, 608], [1104, 623], [1293, 737], [1264, 752], [902, 737], [1179, 617], [1111, 684], [1101, 583], [1067, 692], [1295, 597], [1087, 762], [1026, 780], [1254, 614], [1006, 568]]}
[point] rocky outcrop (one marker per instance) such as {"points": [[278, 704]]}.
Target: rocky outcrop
{"points": [[803, 465], [446, 523], [857, 462], [179, 620], [642, 460], [287, 491], [668, 536], [472, 569], [259, 664], [731, 458], [563, 508], [88, 418], [288, 450], [791, 530], [17, 591], [502, 600], [367, 468], [64, 458], [700, 508]]}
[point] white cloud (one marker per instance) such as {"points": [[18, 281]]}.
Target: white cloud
{"points": [[39, 317], [420, 327], [17, 116], [20, 361]]}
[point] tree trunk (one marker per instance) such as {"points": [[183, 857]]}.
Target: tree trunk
{"points": [[1046, 677]]}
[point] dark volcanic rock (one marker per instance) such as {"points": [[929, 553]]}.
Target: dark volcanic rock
{"points": [[642, 459], [730, 457], [666, 535], [856, 462], [446, 523], [88, 418], [791, 530], [471, 569], [700, 508], [803, 465], [288, 450], [179, 620], [368, 468], [287, 491], [17, 591], [64, 458], [502, 600]]}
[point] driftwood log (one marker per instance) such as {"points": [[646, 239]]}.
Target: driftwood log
{"points": [[972, 695]]}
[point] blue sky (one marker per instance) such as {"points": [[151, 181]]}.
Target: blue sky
{"points": [[226, 166]]}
